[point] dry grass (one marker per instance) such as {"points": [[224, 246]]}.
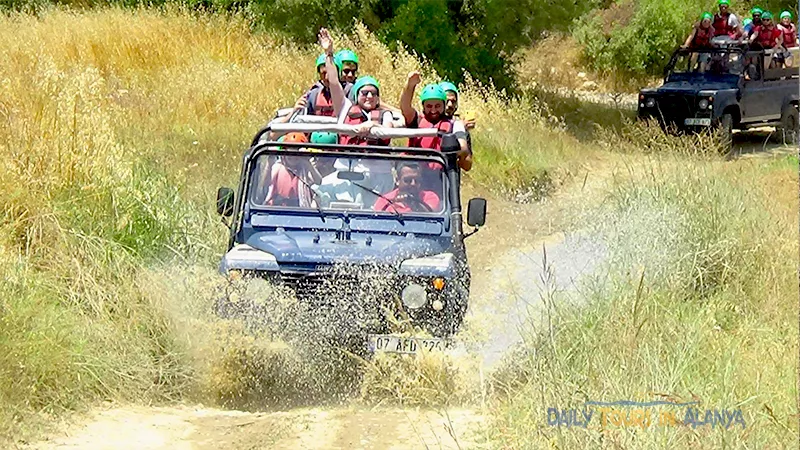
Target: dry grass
{"points": [[556, 61], [697, 301]]}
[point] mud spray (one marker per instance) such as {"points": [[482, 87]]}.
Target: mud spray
{"points": [[256, 347]]}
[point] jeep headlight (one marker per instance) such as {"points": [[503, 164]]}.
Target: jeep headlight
{"points": [[703, 104], [245, 257], [651, 102], [441, 264], [414, 296]]}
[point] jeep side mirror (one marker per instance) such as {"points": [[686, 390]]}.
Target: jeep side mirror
{"points": [[476, 212], [225, 202]]}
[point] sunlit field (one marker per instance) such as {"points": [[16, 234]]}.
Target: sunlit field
{"points": [[119, 125]]}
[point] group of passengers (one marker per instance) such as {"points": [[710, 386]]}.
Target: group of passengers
{"points": [[298, 181], [759, 32], [356, 100]]}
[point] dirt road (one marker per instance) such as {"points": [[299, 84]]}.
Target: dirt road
{"points": [[509, 280]]}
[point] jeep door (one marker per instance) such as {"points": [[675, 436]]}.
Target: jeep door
{"points": [[754, 103]]}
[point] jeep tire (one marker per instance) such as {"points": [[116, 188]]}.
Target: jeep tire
{"points": [[790, 123], [726, 129]]}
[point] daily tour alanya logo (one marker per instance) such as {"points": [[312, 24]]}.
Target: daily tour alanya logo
{"points": [[645, 415]]}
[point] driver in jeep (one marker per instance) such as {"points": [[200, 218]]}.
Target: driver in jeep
{"points": [[409, 196]]}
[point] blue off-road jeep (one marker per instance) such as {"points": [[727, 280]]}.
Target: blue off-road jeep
{"points": [[368, 238], [727, 86]]}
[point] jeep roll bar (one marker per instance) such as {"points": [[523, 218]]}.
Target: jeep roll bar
{"points": [[311, 125]]}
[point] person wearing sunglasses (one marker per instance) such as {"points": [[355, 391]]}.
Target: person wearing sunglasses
{"points": [[409, 195], [768, 36], [364, 111], [349, 61]]}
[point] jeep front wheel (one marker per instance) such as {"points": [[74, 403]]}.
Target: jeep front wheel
{"points": [[726, 131]]}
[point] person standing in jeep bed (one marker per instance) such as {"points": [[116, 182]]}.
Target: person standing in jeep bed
{"points": [[789, 36], [702, 33], [768, 36], [725, 22], [433, 99]]}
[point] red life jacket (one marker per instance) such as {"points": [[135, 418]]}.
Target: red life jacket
{"points": [[721, 27], [357, 116], [444, 125], [321, 101], [284, 189], [767, 38], [702, 38], [789, 36]]}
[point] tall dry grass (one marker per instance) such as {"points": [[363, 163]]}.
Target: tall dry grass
{"points": [[117, 127], [697, 301]]}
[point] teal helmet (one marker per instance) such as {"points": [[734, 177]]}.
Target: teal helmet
{"points": [[747, 22], [432, 92], [766, 16], [365, 80], [786, 14], [347, 56], [448, 87], [756, 10], [321, 61], [324, 137]]}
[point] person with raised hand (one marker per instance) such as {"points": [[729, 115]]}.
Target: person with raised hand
{"points": [[433, 99]]}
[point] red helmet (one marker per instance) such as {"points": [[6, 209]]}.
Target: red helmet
{"points": [[295, 137]]}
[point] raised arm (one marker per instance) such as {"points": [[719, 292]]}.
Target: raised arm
{"points": [[332, 72], [408, 95]]}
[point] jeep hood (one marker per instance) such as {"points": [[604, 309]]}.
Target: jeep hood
{"points": [[300, 247], [685, 87]]}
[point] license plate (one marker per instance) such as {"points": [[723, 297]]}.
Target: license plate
{"points": [[704, 122], [408, 345]]}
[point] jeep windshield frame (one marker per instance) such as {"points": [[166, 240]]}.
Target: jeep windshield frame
{"points": [[724, 65], [375, 153]]}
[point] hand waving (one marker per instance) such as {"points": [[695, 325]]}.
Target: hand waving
{"points": [[325, 40]]}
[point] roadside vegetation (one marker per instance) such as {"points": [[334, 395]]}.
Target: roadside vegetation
{"points": [[119, 125], [697, 301]]}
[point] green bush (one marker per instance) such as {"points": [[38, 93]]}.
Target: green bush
{"points": [[642, 45]]}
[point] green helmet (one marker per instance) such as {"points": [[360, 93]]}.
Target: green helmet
{"points": [[432, 92], [347, 56], [324, 137], [365, 80], [766, 16], [786, 14], [321, 61], [706, 15], [723, 2], [448, 86], [756, 10]]}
